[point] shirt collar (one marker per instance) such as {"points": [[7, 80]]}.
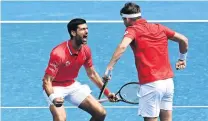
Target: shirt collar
{"points": [[141, 21], [72, 51]]}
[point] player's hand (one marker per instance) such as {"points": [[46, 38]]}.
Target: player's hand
{"points": [[58, 102], [181, 64], [112, 97], [108, 74]]}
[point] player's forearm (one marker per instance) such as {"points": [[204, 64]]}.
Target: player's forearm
{"points": [[96, 79], [182, 41], [183, 45], [116, 56], [47, 85], [48, 89]]}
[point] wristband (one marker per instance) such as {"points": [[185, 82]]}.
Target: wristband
{"points": [[52, 97], [182, 56], [106, 92]]}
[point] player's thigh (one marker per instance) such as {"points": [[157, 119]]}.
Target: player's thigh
{"points": [[149, 101], [167, 99], [166, 108], [58, 112], [78, 93], [92, 106]]}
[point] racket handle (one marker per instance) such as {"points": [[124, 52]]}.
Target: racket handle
{"points": [[103, 89], [103, 100], [109, 74]]}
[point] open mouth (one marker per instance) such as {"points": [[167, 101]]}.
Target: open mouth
{"points": [[85, 38]]}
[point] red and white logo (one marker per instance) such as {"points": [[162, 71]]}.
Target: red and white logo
{"points": [[67, 63]]}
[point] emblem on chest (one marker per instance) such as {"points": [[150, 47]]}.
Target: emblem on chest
{"points": [[67, 63]]}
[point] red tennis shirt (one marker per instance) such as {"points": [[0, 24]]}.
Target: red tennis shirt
{"points": [[150, 48], [65, 63]]}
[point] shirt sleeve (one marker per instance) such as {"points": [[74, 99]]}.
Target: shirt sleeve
{"points": [[169, 33], [88, 62], [130, 32], [53, 65]]}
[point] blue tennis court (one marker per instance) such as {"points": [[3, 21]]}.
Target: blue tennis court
{"points": [[25, 48]]}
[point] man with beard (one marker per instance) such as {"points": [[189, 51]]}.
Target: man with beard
{"points": [[149, 43], [59, 82]]}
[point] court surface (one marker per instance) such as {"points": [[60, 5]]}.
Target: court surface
{"points": [[25, 48]]}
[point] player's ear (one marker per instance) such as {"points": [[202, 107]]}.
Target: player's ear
{"points": [[73, 33]]}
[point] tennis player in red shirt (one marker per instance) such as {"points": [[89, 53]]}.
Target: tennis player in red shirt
{"points": [[59, 82], [149, 43]]}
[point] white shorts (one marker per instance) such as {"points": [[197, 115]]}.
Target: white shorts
{"points": [[75, 93], [155, 96]]}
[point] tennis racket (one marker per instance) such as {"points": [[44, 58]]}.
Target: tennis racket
{"points": [[105, 84], [127, 93]]}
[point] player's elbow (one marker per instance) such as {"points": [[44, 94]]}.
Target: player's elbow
{"points": [[185, 41], [181, 39], [122, 47], [46, 83], [91, 75]]}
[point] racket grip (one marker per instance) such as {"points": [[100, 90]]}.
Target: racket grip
{"points": [[109, 74], [103, 100]]}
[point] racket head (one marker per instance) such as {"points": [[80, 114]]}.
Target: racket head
{"points": [[128, 93]]}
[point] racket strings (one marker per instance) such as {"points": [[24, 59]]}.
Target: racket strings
{"points": [[129, 93]]}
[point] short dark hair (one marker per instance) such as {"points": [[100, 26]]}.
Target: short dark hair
{"points": [[130, 8], [73, 25]]}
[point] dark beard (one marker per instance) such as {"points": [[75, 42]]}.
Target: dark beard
{"points": [[78, 42]]}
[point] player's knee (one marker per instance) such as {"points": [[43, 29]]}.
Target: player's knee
{"points": [[101, 113], [165, 115], [60, 118]]}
